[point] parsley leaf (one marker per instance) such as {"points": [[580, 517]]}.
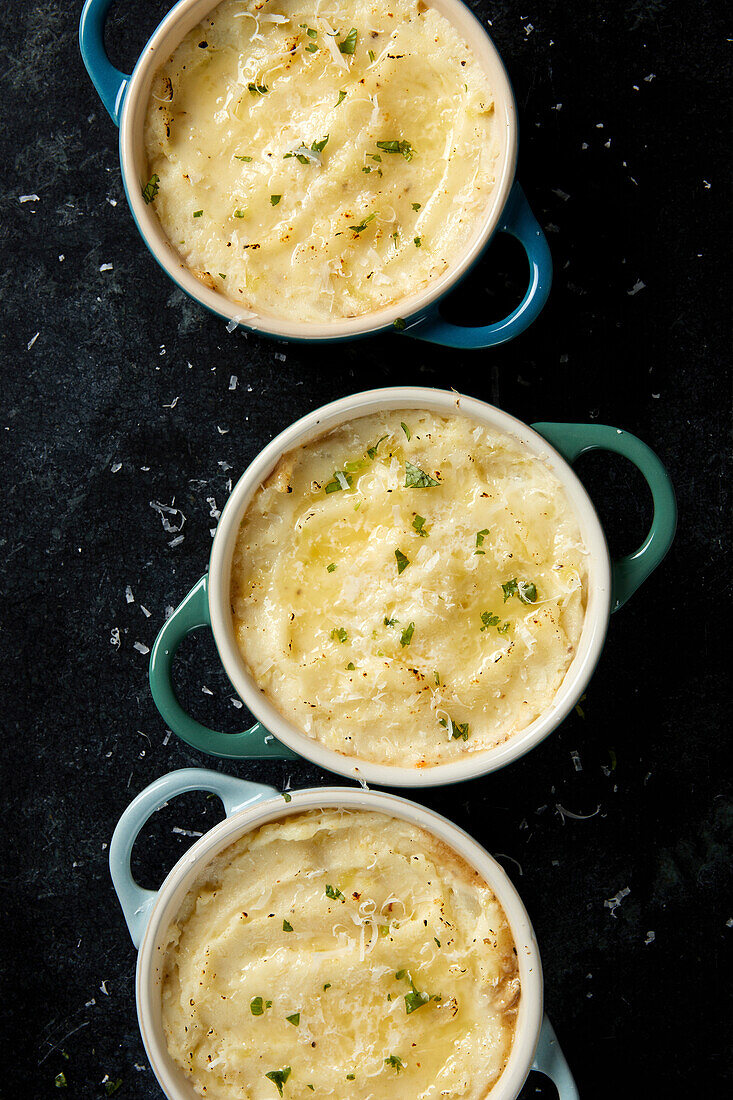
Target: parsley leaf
{"points": [[286, 796], [339, 634], [458, 729], [395, 1062], [245, 159], [481, 535], [150, 190], [371, 55], [399, 324], [407, 431], [257, 1006], [489, 619], [294, 1019], [197, 213], [287, 926], [258, 89], [415, 478], [416, 205], [523, 590], [360, 228], [402, 561], [340, 481], [418, 242], [348, 45], [390, 622], [402, 147], [341, 98], [331, 568], [239, 213], [275, 199], [350, 667], [60, 1081], [279, 1077], [407, 635], [372, 451], [415, 1000], [334, 893], [419, 523]]}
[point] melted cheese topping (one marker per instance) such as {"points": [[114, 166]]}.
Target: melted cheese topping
{"points": [[410, 906], [340, 229], [410, 664]]}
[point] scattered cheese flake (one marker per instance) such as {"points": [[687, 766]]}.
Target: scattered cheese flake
{"points": [[185, 832], [171, 526], [176, 541], [129, 595], [28, 198], [650, 937], [614, 902], [106, 267], [575, 757], [233, 382], [173, 403], [114, 637], [222, 431], [236, 703], [145, 611], [141, 648], [32, 341], [206, 690], [648, 79], [638, 285]]}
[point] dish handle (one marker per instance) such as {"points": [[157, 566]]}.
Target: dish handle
{"points": [[550, 1060], [109, 81], [573, 440], [252, 744], [235, 794], [519, 221]]}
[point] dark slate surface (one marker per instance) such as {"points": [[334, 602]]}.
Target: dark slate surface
{"points": [[124, 398]]}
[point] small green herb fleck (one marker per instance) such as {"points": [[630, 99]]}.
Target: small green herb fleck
{"points": [[415, 478], [523, 590], [340, 481], [275, 199], [286, 796], [348, 45], [350, 667], [415, 1000], [339, 634], [437, 679], [287, 926], [399, 324], [341, 98], [197, 213], [390, 622], [334, 893], [111, 1087], [245, 159], [294, 1019], [257, 89], [395, 1062], [437, 940], [350, 1076], [416, 205], [419, 524], [239, 213], [331, 568], [407, 635], [503, 629], [326, 986], [150, 190], [402, 561], [481, 535], [311, 47], [257, 1006], [375, 156], [418, 242], [458, 729], [371, 55], [60, 1081], [407, 431], [311, 33], [489, 619], [222, 276], [362, 226], [402, 147], [279, 1077], [372, 451]]}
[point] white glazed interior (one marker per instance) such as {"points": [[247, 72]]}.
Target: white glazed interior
{"points": [[181, 19], [314, 425], [193, 863]]}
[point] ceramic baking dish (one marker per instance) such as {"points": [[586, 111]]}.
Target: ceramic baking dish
{"points": [[610, 584], [126, 98], [249, 805]]}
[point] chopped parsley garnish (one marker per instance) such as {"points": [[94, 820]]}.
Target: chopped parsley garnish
{"points": [[331, 568], [302, 156], [375, 156], [371, 55], [286, 796], [437, 940], [415, 478], [523, 590], [402, 147], [326, 986], [480, 536], [339, 634], [400, 975], [60, 1081], [407, 431], [257, 1006], [279, 1077], [402, 561], [372, 451], [399, 324], [416, 205], [150, 190], [348, 45], [415, 999], [350, 1076], [197, 213], [340, 481], [287, 926], [458, 729], [335, 894], [258, 89], [294, 1019], [390, 622], [341, 98], [395, 1062], [311, 33], [407, 635], [239, 213], [275, 199], [437, 679], [311, 47], [489, 619], [245, 159], [362, 226], [111, 1087], [418, 242], [350, 667], [503, 629], [419, 524]]}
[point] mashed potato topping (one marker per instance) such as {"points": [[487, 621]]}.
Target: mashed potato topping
{"points": [[410, 588], [341, 954], [320, 159]]}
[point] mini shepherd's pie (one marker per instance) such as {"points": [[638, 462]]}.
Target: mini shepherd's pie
{"points": [[342, 954], [409, 588], [320, 161]]}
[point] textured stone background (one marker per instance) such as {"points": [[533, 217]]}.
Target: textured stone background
{"points": [[124, 398]]}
